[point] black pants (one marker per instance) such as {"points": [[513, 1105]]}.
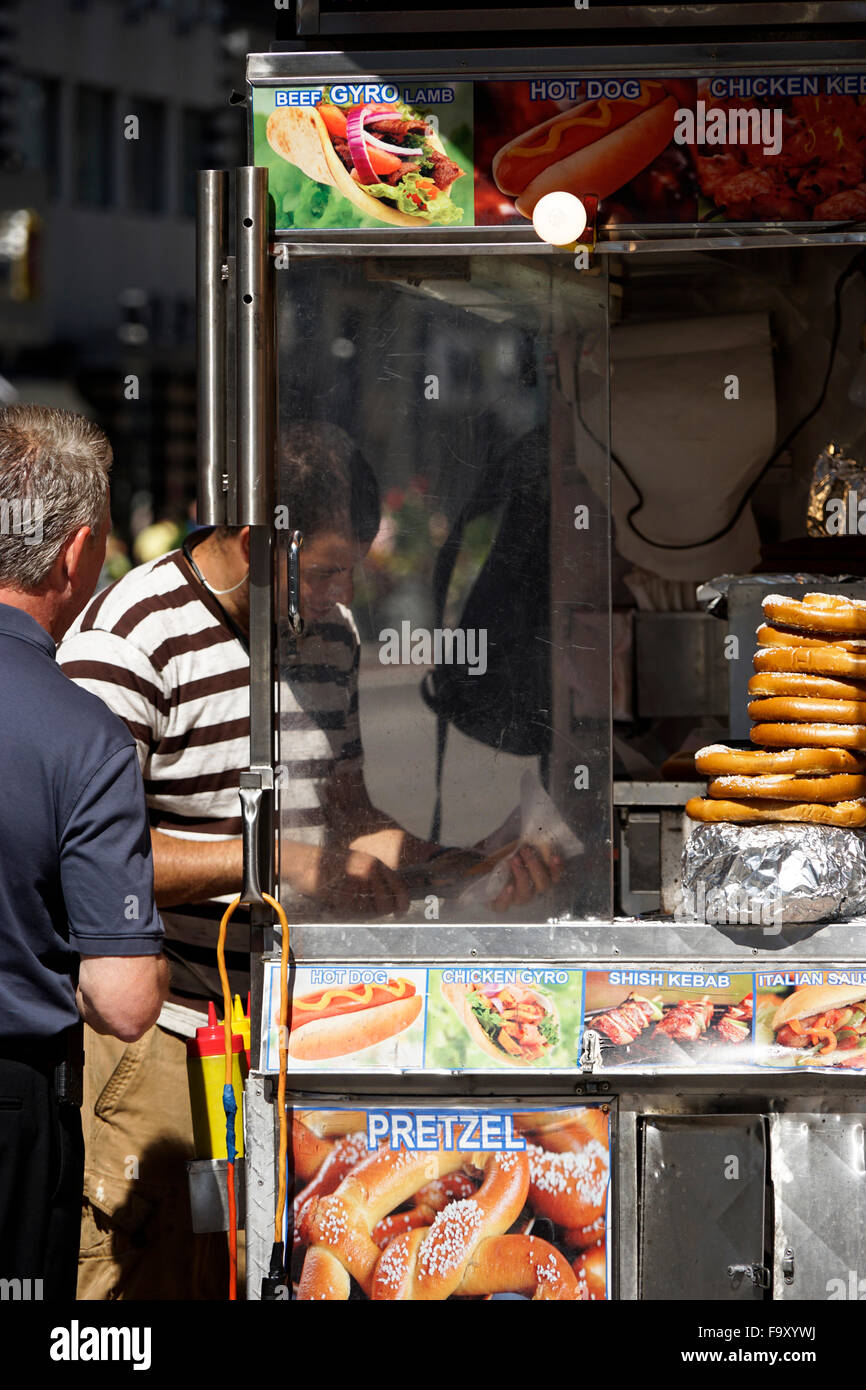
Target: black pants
{"points": [[41, 1182]]}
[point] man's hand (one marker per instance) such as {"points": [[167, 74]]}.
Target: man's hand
{"points": [[347, 882], [533, 872]]}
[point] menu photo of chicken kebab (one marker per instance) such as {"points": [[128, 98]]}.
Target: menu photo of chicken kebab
{"points": [[669, 1018]]}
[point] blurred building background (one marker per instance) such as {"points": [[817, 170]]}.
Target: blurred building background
{"points": [[107, 109]]}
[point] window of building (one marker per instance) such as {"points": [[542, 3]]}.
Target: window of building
{"points": [[38, 128], [146, 160], [94, 175], [195, 155]]}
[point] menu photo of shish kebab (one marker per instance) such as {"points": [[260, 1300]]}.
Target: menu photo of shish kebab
{"points": [[813, 1019], [404, 1205], [668, 1018]]}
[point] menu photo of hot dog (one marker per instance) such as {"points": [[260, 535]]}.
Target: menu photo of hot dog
{"points": [[345, 1016], [660, 1018], [812, 1019], [610, 139], [513, 1016]]}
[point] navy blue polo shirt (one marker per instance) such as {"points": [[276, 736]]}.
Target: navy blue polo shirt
{"points": [[76, 871]]}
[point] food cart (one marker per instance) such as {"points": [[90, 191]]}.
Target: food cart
{"points": [[572, 430]]}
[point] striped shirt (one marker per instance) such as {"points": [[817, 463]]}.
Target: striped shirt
{"points": [[157, 648]]}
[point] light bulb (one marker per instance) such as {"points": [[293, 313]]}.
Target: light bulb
{"points": [[559, 218]]}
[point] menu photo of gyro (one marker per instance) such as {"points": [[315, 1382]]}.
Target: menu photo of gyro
{"points": [[514, 1016], [812, 1019], [662, 1019], [443, 1201]]}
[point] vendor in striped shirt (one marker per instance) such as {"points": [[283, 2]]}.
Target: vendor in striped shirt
{"points": [[166, 648]]}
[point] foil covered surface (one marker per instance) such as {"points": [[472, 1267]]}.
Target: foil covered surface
{"points": [[836, 475], [768, 875]]}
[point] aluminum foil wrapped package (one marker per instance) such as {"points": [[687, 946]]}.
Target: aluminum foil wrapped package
{"points": [[767, 875], [838, 479]]}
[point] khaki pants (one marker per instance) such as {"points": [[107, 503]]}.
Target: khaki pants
{"points": [[136, 1232]]}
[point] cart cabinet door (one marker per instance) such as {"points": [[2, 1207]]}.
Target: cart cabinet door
{"points": [[702, 1207], [820, 1206]]}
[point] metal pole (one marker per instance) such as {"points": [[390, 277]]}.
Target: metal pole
{"points": [[211, 250], [255, 317]]}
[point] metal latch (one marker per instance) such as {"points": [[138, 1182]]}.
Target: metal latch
{"points": [[788, 1265], [590, 1055], [758, 1274]]}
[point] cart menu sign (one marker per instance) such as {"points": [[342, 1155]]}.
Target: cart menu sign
{"points": [[397, 1203], [555, 1020], [755, 149]]}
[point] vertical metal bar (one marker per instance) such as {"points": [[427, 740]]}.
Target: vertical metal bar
{"points": [[211, 249], [254, 357], [255, 316]]}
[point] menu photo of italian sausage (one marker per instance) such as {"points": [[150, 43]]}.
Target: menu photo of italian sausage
{"points": [[348, 1016], [812, 1019]]}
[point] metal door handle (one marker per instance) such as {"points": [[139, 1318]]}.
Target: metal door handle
{"points": [[296, 622]]}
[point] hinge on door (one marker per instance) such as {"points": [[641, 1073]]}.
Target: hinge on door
{"points": [[758, 1274]]}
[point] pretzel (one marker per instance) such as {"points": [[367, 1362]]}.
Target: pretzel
{"points": [[754, 810], [582, 1237], [807, 735], [818, 613], [717, 760], [823, 659], [430, 1262], [342, 1158], [806, 686], [498, 1264], [337, 1228], [428, 1200], [569, 1188], [774, 637], [843, 786], [591, 1271], [788, 707]]}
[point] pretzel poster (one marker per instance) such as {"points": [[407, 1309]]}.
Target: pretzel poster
{"points": [[450, 1202]]}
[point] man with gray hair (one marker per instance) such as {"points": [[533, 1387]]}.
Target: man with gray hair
{"points": [[80, 936]]}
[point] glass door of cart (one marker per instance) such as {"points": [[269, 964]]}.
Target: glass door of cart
{"points": [[443, 448]]}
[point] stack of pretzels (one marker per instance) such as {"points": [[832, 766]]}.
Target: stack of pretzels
{"points": [[436, 1224], [809, 710]]}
